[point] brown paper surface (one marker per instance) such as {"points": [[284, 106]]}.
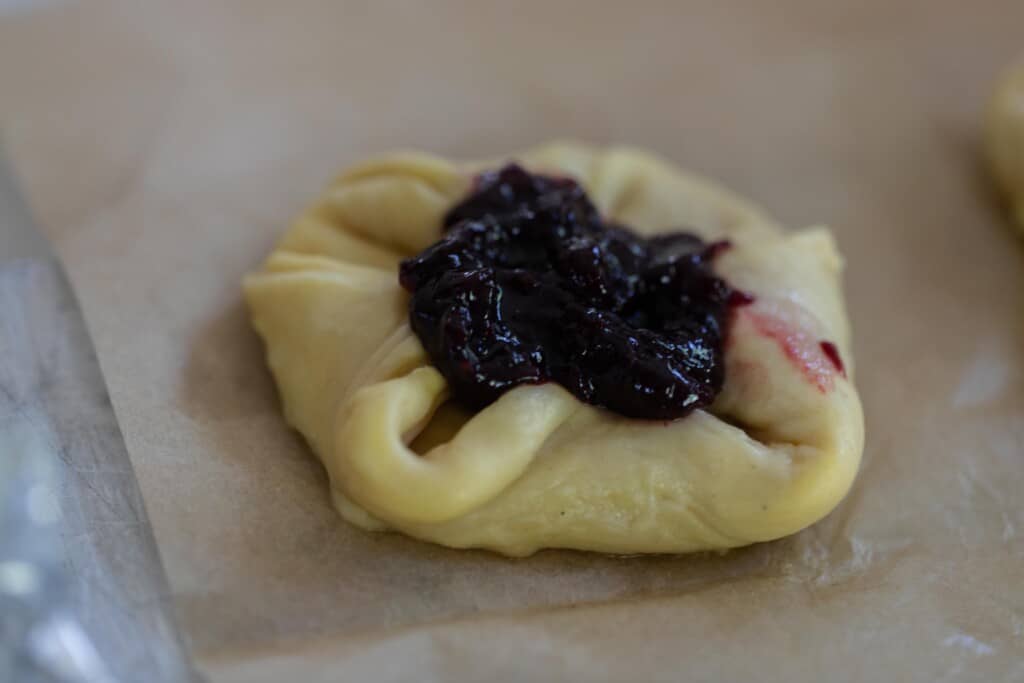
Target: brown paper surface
{"points": [[165, 146]]}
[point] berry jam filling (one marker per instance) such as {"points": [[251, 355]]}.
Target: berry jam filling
{"points": [[530, 285]]}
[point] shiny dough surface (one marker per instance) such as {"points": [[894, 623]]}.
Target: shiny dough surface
{"points": [[777, 451], [1004, 139]]}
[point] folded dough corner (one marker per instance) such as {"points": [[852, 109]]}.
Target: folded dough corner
{"points": [[776, 452], [1004, 138]]}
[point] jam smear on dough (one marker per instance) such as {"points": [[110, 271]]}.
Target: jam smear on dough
{"points": [[818, 361]]}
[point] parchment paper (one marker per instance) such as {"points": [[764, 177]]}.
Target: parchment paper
{"points": [[165, 146]]}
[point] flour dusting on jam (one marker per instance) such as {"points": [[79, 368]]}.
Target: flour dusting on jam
{"points": [[529, 285]]}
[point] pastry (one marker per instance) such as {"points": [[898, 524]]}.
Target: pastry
{"points": [[1004, 139], [571, 347]]}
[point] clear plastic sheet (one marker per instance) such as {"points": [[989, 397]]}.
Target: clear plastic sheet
{"points": [[165, 147]]}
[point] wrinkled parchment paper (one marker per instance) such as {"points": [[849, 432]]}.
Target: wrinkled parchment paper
{"points": [[164, 146]]}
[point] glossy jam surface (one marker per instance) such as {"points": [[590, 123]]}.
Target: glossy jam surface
{"points": [[529, 285]]}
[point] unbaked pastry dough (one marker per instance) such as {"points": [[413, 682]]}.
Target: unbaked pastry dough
{"points": [[1004, 139], [776, 452]]}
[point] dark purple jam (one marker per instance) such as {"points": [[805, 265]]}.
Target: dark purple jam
{"points": [[530, 285], [831, 352]]}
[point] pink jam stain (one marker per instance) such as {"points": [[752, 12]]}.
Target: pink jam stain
{"points": [[737, 299], [817, 364]]}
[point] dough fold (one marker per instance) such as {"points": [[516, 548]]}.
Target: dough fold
{"points": [[1004, 139], [776, 452]]}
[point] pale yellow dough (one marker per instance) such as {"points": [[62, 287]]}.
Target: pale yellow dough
{"points": [[1004, 139], [777, 451]]}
